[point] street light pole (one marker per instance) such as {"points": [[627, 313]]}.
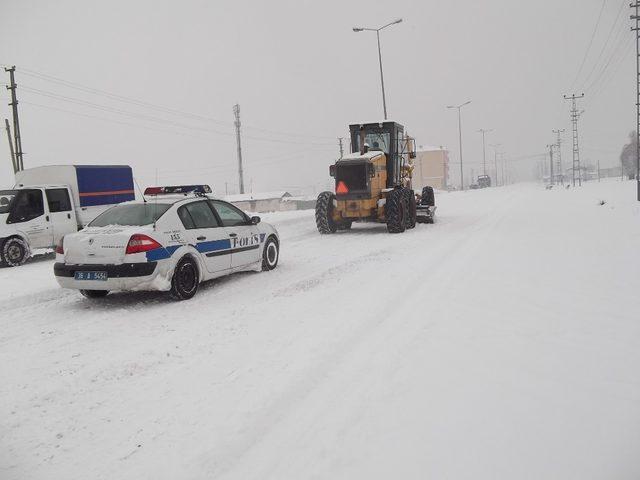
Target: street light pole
{"points": [[484, 152], [377, 30], [459, 107], [384, 98]]}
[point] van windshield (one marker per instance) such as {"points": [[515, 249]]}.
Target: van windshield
{"points": [[6, 197], [134, 214]]}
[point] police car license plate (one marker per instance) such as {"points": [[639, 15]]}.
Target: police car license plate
{"points": [[91, 276]]}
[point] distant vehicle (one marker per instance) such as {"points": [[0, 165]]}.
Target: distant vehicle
{"points": [[174, 241], [50, 202], [484, 181], [473, 186], [372, 184]]}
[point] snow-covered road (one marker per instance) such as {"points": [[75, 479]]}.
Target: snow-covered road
{"points": [[503, 342]]}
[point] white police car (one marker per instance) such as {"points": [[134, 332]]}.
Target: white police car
{"points": [[174, 240]]}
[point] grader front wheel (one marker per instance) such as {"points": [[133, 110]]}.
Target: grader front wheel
{"points": [[324, 213], [396, 211]]}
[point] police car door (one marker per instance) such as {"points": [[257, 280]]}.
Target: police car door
{"points": [[245, 237], [203, 230]]}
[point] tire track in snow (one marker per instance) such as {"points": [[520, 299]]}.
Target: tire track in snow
{"points": [[339, 369]]}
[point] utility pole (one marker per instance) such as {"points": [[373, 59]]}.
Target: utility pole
{"points": [[16, 121], [636, 17], [341, 147], [559, 170], [598, 163], [14, 164], [576, 150], [495, 159], [550, 146], [236, 112], [484, 153], [504, 171]]}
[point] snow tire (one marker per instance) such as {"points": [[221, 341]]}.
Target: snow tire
{"points": [[411, 208], [185, 279], [15, 251], [396, 211], [324, 213], [270, 254]]}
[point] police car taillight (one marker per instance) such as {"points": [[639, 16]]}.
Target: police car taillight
{"points": [[59, 247], [141, 243]]}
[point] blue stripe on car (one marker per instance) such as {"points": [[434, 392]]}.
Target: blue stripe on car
{"points": [[204, 247], [163, 253]]}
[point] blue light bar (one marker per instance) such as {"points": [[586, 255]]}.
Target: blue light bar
{"points": [[178, 189]]}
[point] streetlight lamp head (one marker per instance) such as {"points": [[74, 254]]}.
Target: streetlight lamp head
{"points": [[356, 29], [398, 21]]}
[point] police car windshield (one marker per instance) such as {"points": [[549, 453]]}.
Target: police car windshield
{"points": [[136, 214], [6, 196]]}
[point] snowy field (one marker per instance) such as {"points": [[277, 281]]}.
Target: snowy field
{"points": [[503, 342]]}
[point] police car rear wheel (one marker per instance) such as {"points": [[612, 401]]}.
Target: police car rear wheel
{"points": [[185, 280], [94, 293], [270, 254]]}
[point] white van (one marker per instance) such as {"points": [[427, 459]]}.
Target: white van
{"points": [[49, 202]]}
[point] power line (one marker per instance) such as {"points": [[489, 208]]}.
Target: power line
{"points": [[159, 108], [126, 113], [618, 47], [593, 35], [604, 45]]}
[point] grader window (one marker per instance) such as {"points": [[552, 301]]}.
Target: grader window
{"points": [[353, 176]]}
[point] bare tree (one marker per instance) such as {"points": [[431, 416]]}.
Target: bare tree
{"points": [[628, 156]]}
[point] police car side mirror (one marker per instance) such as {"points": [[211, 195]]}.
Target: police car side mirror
{"points": [[255, 220]]}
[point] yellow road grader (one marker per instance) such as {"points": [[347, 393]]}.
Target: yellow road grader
{"points": [[372, 184]]}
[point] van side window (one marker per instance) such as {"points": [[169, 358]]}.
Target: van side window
{"points": [[26, 206], [58, 199]]}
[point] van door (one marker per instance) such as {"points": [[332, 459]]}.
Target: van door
{"points": [[204, 232], [28, 215], [244, 237], [61, 214]]}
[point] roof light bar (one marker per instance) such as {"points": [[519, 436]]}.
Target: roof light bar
{"points": [[178, 189]]}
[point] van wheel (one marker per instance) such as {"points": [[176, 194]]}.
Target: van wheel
{"points": [[270, 255], [15, 252], [94, 293], [185, 280]]}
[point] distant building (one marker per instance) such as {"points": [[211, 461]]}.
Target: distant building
{"points": [[431, 168], [262, 202]]}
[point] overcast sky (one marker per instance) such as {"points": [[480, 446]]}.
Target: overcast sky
{"points": [[301, 75]]}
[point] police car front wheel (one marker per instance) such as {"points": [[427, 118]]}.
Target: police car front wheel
{"points": [[185, 280], [270, 254]]}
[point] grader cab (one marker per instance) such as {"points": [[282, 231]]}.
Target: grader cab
{"points": [[372, 184]]}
